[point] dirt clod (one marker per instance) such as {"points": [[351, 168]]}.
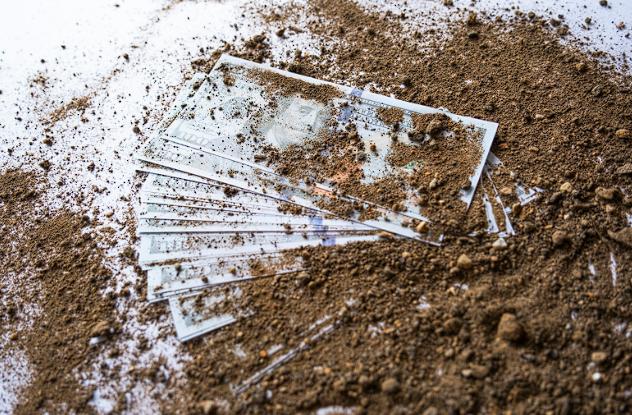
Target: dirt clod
{"points": [[509, 329]]}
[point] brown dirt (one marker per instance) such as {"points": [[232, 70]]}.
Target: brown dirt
{"points": [[390, 116], [277, 84], [534, 332], [51, 261]]}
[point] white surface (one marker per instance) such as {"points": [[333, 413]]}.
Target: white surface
{"points": [[96, 35]]}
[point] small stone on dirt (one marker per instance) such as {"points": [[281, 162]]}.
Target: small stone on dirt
{"points": [[464, 262], [506, 191], [509, 329], [625, 169], [499, 245], [452, 325], [599, 357], [479, 371], [566, 187], [434, 127], [422, 227], [390, 386], [606, 194], [597, 90], [558, 238], [622, 133]]}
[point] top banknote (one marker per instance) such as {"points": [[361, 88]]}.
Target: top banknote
{"points": [[349, 152]]}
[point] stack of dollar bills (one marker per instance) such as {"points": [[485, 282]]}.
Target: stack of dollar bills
{"points": [[215, 212]]}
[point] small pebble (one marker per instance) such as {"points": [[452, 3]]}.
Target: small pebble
{"points": [[464, 262], [599, 357], [606, 194], [509, 328], [566, 187], [208, 407], [423, 227], [558, 238], [622, 133], [390, 386], [499, 245], [597, 90], [233, 270]]}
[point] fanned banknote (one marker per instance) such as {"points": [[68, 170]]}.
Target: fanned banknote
{"points": [[218, 207]]}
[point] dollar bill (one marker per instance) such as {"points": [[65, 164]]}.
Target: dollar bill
{"points": [[217, 194], [174, 280], [192, 226], [156, 248], [193, 315], [202, 203], [221, 112], [153, 210]]}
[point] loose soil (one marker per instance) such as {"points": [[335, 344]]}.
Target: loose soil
{"points": [[469, 326], [55, 266]]}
